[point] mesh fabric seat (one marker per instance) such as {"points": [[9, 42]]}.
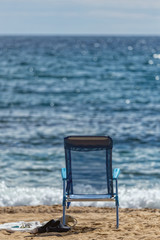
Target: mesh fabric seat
{"points": [[88, 174]]}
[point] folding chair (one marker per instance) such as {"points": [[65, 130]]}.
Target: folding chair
{"points": [[88, 174]]}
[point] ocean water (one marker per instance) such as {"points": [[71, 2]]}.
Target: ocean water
{"points": [[52, 87]]}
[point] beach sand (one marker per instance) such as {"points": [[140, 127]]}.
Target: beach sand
{"points": [[92, 223]]}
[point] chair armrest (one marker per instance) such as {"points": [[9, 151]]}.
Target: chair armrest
{"points": [[116, 173], [63, 172]]}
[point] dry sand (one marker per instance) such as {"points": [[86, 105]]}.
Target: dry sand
{"points": [[93, 223]]}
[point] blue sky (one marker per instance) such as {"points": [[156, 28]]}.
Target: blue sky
{"points": [[102, 17]]}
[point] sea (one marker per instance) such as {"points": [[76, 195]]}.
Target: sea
{"points": [[55, 86]]}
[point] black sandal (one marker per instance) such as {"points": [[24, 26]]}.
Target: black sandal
{"points": [[51, 223], [59, 228]]}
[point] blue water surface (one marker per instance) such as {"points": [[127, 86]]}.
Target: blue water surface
{"points": [[51, 87]]}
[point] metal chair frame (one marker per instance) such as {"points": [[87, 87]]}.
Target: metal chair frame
{"points": [[68, 197]]}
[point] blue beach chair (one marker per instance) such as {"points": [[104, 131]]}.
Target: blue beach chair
{"points": [[88, 174]]}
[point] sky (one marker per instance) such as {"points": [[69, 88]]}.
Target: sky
{"points": [[80, 17]]}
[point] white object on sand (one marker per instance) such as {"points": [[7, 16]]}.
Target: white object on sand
{"points": [[20, 226]]}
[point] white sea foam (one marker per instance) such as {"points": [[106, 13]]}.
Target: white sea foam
{"points": [[16, 196], [139, 197], [133, 197]]}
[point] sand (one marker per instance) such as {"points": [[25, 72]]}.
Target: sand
{"points": [[92, 223]]}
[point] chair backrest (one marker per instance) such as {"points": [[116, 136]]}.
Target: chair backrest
{"points": [[88, 164]]}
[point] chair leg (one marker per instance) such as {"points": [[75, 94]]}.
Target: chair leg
{"points": [[64, 212], [117, 205], [117, 212], [64, 202]]}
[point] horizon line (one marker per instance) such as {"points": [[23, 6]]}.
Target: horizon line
{"points": [[78, 35]]}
